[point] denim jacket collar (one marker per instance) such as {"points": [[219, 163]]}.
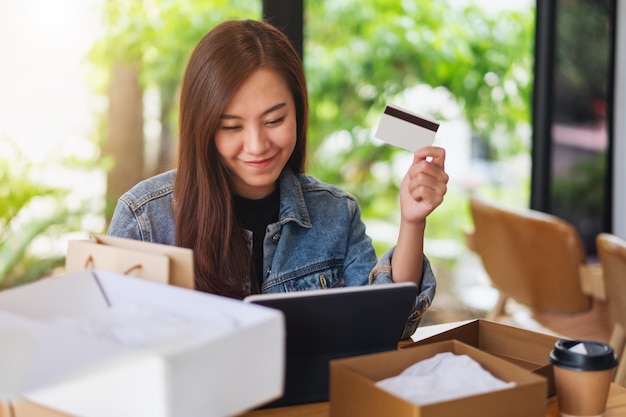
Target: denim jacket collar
{"points": [[292, 204]]}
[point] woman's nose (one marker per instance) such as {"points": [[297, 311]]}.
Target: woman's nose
{"points": [[255, 142]]}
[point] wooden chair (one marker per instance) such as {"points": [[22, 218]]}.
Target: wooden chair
{"points": [[538, 260], [612, 254]]}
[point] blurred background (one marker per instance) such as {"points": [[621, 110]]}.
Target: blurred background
{"points": [[88, 107]]}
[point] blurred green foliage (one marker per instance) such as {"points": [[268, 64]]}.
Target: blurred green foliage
{"points": [[582, 57], [160, 36], [360, 58], [29, 210]]}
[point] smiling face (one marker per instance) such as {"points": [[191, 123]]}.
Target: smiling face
{"points": [[257, 133]]}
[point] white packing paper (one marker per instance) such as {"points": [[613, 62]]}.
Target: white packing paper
{"points": [[443, 377]]}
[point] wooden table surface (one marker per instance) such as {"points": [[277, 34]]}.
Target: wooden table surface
{"points": [[616, 407]]}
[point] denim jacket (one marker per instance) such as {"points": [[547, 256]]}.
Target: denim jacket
{"points": [[318, 242]]}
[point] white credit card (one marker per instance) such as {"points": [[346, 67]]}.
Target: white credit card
{"points": [[404, 129]]}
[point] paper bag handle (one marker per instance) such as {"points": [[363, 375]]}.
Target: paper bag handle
{"points": [[90, 264]]}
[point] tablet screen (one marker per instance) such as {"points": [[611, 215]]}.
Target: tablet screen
{"points": [[327, 324]]}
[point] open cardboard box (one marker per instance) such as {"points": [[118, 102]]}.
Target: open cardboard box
{"points": [[353, 390], [63, 360], [525, 348]]}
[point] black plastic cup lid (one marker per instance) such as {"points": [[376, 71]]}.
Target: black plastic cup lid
{"points": [[583, 355]]}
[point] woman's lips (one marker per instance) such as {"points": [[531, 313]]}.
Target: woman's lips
{"points": [[261, 163]]}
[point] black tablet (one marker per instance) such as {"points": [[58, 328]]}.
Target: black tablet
{"points": [[322, 325]]}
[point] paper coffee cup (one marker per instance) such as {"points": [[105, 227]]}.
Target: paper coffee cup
{"points": [[583, 371]]}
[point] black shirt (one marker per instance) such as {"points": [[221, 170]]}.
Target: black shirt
{"points": [[256, 215]]}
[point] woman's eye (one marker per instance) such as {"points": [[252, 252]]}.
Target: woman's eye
{"points": [[275, 121], [230, 128]]}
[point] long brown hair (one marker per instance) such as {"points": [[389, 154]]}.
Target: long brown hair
{"points": [[204, 216]]}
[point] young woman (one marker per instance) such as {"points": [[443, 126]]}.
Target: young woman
{"points": [[239, 197]]}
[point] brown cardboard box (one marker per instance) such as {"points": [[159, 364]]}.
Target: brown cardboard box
{"points": [[353, 390], [525, 348]]}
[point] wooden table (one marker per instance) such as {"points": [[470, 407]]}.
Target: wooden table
{"points": [[616, 407], [616, 403]]}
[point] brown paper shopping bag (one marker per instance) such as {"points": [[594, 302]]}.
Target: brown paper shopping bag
{"points": [[156, 262]]}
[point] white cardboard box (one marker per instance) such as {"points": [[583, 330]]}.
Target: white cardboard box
{"points": [[221, 356]]}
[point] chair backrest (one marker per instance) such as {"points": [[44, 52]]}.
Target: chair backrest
{"points": [[612, 254], [530, 256]]}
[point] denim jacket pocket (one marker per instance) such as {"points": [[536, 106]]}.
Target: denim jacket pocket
{"points": [[327, 274]]}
